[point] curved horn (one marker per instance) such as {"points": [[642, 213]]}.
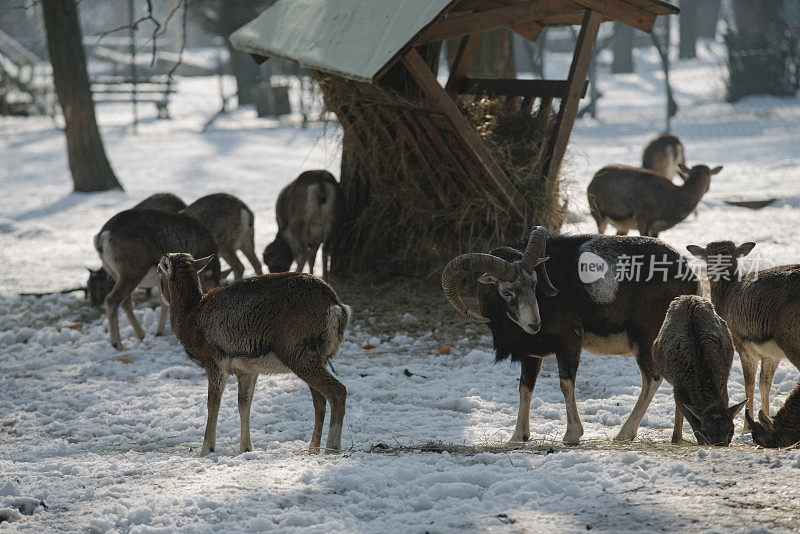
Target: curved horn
{"points": [[464, 264], [534, 257]]}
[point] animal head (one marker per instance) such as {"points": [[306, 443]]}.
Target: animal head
{"points": [[98, 286], [278, 255], [515, 282], [722, 256], [178, 265], [764, 431], [714, 425], [698, 172]]}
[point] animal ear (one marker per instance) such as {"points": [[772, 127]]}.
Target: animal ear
{"points": [[744, 249], [765, 420], [683, 170], [202, 263], [749, 419], [488, 278], [736, 408], [542, 260], [688, 409], [165, 266], [224, 274], [697, 251], [716, 170]]}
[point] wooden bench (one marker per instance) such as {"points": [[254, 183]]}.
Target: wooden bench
{"points": [[155, 89]]}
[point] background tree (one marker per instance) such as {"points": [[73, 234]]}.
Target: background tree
{"points": [[88, 163], [223, 17], [622, 45], [688, 29], [763, 53]]}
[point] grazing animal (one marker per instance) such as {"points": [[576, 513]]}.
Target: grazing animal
{"points": [[276, 323], [161, 201], [307, 212], [230, 221], [663, 155], [100, 283], [694, 352], [130, 245], [588, 306], [783, 430], [633, 198], [762, 311]]}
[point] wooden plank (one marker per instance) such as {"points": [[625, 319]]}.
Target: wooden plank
{"points": [[472, 141], [464, 56], [528, 30], [543, 114], [492, 19], [657, 7], [577, 76], [514, 87], [626, 13]]}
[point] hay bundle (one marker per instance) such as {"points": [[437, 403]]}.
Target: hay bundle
{"points": [[414, 197]]}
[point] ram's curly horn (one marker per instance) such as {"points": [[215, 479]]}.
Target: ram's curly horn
{"points": [[464, 264], [534, 256]]}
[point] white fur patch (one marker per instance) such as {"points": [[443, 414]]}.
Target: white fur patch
{"points": [[603, 289], [268, 364]]}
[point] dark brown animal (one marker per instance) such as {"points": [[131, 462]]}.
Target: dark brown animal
{"points": [[664, 155], [100, 283], [762, 310], [634, 198], [231, 223], [276, 323], [130, 245], [783, 430], [694, 352], [307, 212], [587, 306]]}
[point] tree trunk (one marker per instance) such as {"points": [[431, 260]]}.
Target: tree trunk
{"points": [[623, 49], [495, 56], [688, 29], [88, 163], [707, 17], [247, 73]]}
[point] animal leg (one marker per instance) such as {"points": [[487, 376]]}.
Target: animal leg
{"points": [[622, 232], [567, 370], [249, 250], [677, 431], [527, 380], [650, 382], [162, 319], [768, 368], [216, 386], [325, 260], [122, 289], [312, 258], [127, 306], [749, 368], [247, 386], [334, 392], [319, 419], [231, 259]]}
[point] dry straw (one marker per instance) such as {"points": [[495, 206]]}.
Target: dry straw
{"points": [[416, 197]]}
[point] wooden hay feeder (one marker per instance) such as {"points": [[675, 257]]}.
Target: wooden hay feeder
{"points": [[423, 175]]}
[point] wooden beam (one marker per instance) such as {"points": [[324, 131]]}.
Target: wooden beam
{"points": [[464, 56], [513, 87], [576, 80], [626, 13], [528, 30], [491, 19], [472, 141]]}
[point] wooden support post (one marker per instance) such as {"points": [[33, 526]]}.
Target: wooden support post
{"points": [[464, 56], [577, 82], [472, 141]]}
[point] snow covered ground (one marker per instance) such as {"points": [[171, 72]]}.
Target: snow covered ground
{"points": [[97, 440]]}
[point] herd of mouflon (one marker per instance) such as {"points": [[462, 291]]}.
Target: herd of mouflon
{"points": [[542, 295]]}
